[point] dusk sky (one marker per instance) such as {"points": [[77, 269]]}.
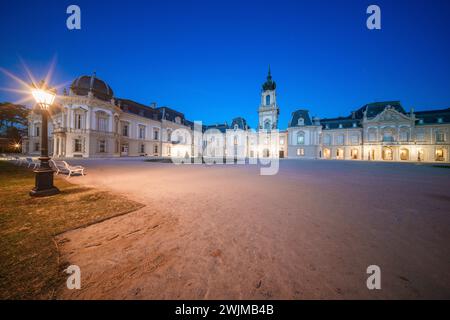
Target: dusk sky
{"points": [[208, 59]]}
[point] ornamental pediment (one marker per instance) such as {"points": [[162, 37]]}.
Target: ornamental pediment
{"points": [[390, 115]]}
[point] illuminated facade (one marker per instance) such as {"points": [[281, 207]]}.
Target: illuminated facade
{"points": [[89, 122]]}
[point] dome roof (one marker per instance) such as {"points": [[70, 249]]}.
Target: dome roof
{"points": [[81, 86], [269, 84]]}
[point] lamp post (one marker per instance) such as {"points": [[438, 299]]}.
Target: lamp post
{"points": [[44, 97]]}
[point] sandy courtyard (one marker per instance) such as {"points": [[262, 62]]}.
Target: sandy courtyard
{"points": [[226, 232]]}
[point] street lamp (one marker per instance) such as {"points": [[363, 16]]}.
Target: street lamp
{"points": [[44, 97]]}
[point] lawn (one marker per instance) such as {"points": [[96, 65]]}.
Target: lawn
{"points": [[29, 266]]}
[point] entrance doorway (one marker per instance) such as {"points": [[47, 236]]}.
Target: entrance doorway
{"points": [[281, 154], [387, 153], [124, 150], [404, 154]]}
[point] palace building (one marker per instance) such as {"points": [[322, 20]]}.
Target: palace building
{"points": [[90, 122]]}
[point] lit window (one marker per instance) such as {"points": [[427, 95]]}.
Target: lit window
{"points": [[300, 152], [440, 154]]}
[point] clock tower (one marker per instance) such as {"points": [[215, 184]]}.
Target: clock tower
{"points": [[268, 110]]}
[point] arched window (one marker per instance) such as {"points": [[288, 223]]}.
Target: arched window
{"points": [[300, 137], [169, 135], [267, 125], [267, 100], [301, 121], [388, 135]]}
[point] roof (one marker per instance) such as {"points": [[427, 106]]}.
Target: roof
{"points": [[345, 122], [296, 115], [432, 116], [375, 108], [240, 122], [137, 108], [81, 86], [222, 127]]}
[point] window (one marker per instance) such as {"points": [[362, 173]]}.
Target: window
{"points": [[38, 131], [340, 139], [267, 125], [440, 136], [169, 135], [125, 130], [340, 153], [101, 146], [372, 134], [37, 146], [267, 100], [404, 135], [355, 139], [142, 148], [388, 136], [404, 154], [354, 154], [420, 135], [282, 141], [340, 126], [178, 120], [141, 132], [440, 154], [301, 121], [78, 119], [77, 145], [439, 120], [102, 124], [155, 134], [300, 138], [155, 149], [300, 152], [327, 139]]}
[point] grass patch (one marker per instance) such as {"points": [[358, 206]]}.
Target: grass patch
{"points": [[28, 256]]}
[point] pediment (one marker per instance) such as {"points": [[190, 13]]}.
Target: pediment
{"points": [[390, 115]]}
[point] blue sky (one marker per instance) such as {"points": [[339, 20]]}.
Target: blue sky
{"points": [[208, 59]]}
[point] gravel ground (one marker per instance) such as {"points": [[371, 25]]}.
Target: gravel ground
{"points": [[226, 232]]}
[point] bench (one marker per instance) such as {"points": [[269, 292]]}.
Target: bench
{"points": [[30, 162], [63, 167]]}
